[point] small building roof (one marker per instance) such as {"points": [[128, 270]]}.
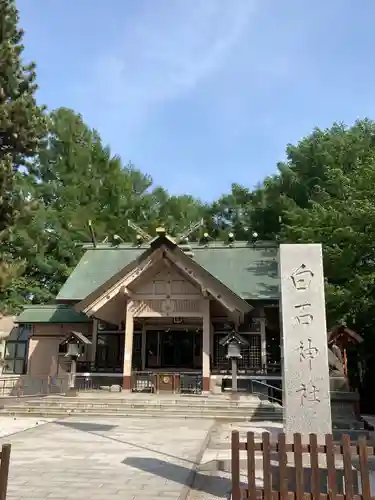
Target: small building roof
{"points": [[248, 270], [52, 313], [234, 336], [342, 332], [77, 336]]}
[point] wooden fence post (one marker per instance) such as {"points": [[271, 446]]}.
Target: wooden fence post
{"points": [[333, 481], [236, 490], [4, 470]]}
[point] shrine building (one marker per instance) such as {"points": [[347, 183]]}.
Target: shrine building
{"points": [[154, 313]]}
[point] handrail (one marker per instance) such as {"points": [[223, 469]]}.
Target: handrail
{"points": [[269, 396], [260, 382]]}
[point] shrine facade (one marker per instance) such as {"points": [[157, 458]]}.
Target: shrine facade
{"points": [[155, 313]]}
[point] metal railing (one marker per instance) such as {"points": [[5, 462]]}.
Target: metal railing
{"points": [[191, 383], [25, 385], [143, 381], [91, 367], [268, 369], [259, 388], [267, 391], [97, 382], [181, 382]]}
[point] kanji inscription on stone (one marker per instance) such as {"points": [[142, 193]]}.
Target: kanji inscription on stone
{"points": [[306, 391], [303, 316], [309, 393], [301, 277], [307, 351]]}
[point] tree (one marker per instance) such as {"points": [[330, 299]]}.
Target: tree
{"points": [[341, 214], [22, 125], [74, 179], [324, 193], [230, 213], [175, 213]]}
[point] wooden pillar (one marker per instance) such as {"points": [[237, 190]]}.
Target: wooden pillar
{"points": [[206, 345], [143, 347], [94, 341], [128, 348], [263, 343], [211, 337]]}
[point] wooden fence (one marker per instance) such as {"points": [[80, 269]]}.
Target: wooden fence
{"points": [[4, 470], [296, 471]]}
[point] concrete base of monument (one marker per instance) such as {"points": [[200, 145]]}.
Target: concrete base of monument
{"points": [[344, 406], [345, 417], [72, 392], [344, 402]]}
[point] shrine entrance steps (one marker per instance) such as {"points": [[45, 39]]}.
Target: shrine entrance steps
{"points": [[216, 406]]}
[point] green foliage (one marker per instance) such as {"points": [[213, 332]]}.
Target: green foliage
{"points": [[230, 213], [74, 179], [324, 193], [337, 207], [22, 125]]}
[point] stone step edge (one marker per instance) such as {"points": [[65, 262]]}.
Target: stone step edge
{"points": [[236, 418], [125, 401], [62, 411], [145, 405], [139, 402], [234, 409], [145, 397]]}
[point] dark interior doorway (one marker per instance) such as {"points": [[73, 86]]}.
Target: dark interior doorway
{"points": [[177, 349], [173, 349]]}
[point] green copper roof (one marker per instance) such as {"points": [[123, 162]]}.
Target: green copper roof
{"points": [[95, 268], [51, 314], [250, 271]]}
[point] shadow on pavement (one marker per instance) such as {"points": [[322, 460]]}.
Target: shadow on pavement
{"points": [[213, 485], [95, 429], [87, 426]]}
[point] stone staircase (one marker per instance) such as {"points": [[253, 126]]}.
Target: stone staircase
{"points": [[218, 407]]}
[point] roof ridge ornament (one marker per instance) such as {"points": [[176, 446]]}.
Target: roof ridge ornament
{"points": [[189, 230], [141, 234], [162, 231]]}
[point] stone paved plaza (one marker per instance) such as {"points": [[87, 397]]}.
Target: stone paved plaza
{"points": [[102, 459]]}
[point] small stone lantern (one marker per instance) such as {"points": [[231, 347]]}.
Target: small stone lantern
{"points": [[234, 343], [75, 343]]}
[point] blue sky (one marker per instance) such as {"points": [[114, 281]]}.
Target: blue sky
{"points": [[204, 93]]}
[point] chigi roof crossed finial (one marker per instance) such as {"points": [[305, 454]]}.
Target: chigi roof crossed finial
{"points": [[182, 237]]}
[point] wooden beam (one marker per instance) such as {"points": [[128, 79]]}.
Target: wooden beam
{"points": [[163, 296]]}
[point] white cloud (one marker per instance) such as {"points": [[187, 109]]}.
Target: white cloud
{"points": [[165, 51]]}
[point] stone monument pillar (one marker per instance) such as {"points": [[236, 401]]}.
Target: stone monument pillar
{"points": [[306, 386]]}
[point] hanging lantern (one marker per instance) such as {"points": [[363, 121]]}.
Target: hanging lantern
{"points": [[73, 350], [234, 350]]}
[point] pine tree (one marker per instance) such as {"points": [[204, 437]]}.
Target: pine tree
{"points": [[22, 125]]}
